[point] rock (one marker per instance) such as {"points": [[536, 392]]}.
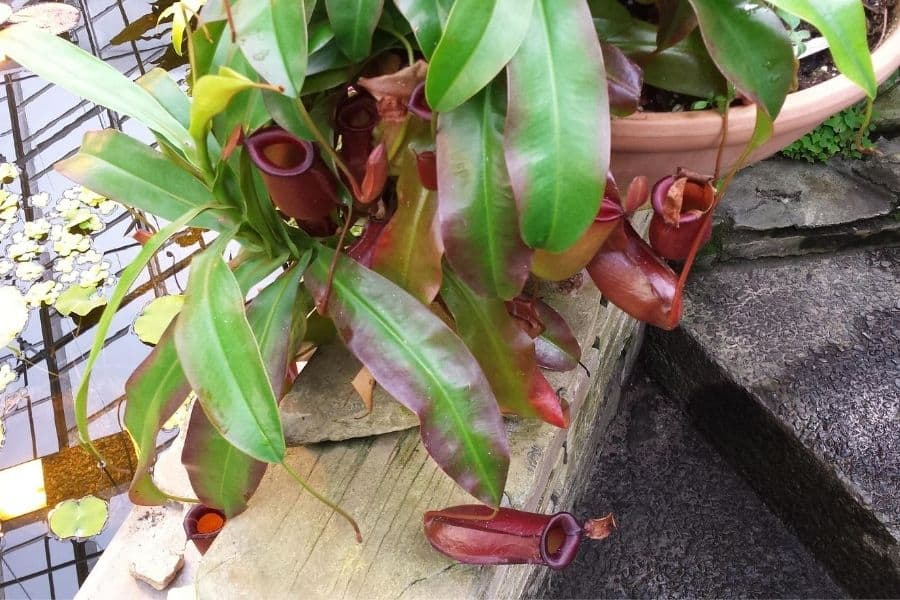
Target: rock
{"points": [[158, 569], [780, 193], [887, 111], [323, 406]]}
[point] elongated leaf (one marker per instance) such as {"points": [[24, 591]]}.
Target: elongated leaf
{"points": [[159, 386], [686, 67], [479, 220], [283, 110], [751, 47], [409, 249], [222, 361], [165, 90], [272, 36], [425, 366], [154, 392], [128, 171], [126, 280], [487, 33], [85, 75], [676, 21], [427, 19], [843, 23], [504, 351], [557, 131], [556, 347], [220, 474], [353, 22]]}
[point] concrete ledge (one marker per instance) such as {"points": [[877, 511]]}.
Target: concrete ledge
{"points": [[287, 544], [789, 368]]}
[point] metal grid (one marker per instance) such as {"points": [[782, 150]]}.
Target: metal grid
{"points": [[43, 124]]}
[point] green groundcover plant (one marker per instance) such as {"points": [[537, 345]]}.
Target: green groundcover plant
{"points": [[405, 166]]}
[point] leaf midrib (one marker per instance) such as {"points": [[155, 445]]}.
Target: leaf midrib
{"points": [[391, 327]]}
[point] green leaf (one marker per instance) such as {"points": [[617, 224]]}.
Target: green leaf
{"points": [[222, 360], [676, 21], [424, 366], [504, 351], [221, 475], [166, 91], [158, 387], [128, 171], [78, 299], [557, 131], [409, 249], [481, 36], [750, 45], [479, 219], [353, 22], [84, 75], [283, 110], [686, 67], [156, 316], [843, 23], [272, 36], [78, 519], [154, 391], [427, 19]]}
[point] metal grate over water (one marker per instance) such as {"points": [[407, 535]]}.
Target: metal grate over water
{"points": [[39, 125]]}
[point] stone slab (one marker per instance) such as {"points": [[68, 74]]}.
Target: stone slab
{"points": [[287, 544], [887, 111], [793, 369], [689, 525], [323, 406], [780, 193]]}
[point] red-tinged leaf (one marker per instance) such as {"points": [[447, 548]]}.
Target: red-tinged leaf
{"points": [[556, 266], [376, 175], [624, 80], [221, 475], [557, 348], [735, 32], [557, 130], [408, 251], [424, 366], [479, 219], [676, 21], [546, 403], [154, 392], [502, 348]]}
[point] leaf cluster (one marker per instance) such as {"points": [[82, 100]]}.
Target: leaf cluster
{"points": [[396, 170]]}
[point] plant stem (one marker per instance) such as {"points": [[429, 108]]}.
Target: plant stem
{"points": [[326, 146], [410, 54], [324, 500]]}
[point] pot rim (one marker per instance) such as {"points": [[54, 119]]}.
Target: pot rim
{"points": [[695, 129]]}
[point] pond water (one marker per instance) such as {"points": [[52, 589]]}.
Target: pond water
{"points": [[39, 125]]}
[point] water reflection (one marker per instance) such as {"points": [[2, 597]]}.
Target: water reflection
{"points": [[39, 125]]}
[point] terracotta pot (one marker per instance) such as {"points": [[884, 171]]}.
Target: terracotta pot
{"points": [[654, 144]]}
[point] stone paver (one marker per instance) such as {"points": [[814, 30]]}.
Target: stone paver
{"points": [[689, 526]]}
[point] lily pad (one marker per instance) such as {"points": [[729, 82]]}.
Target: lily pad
{"points": [[79, 299], [79, 519], [156, 316], [15, 314]]}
